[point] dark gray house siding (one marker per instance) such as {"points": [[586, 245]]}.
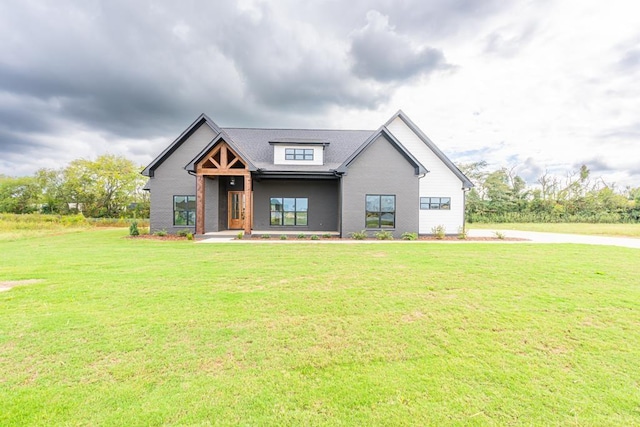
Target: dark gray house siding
{"points": [[170, 179], [354, 163], [380, 169], [323, 202]]}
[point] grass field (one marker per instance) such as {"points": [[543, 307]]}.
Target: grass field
{"points": [[142, 332], [615, 230]]}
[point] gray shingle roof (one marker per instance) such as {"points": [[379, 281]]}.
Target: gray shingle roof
{"points": [[255, 144]]}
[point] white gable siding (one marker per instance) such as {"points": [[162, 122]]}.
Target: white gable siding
{"points": [[439, 182], [280, 159]]}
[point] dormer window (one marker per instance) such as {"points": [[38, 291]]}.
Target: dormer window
{"points": [[298, 154], [298, 151]]}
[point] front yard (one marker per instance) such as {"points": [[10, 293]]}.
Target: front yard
{"points": [[120, 331]]}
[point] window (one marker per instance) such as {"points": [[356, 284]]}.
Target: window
{"points": [[381, 211], [289, 211], [184, 210], [435, 203], [298, 154]]}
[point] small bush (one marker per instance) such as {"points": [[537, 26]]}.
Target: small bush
{"points": [[189, 236], [265, 236], [384, 235], [183, 233], [409, 236], [133, 229], [499, 234], [283, 237], [314, 237], [301, 236], [439, 232], [161, 233], [462, 233], [326, 236], [359, 235]]}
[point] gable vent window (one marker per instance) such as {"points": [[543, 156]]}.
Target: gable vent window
{"points": [[435, 203], [298, 154]]}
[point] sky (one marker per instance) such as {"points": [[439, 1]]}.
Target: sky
{"points": [[539, 86]]}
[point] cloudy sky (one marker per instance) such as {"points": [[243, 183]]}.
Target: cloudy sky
{"points": [[540, 85]]}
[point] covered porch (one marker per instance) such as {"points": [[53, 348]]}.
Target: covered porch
{"points": [[222, 162]]}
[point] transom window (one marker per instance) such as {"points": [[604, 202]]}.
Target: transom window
{"points": [[289, 211], [298, 154], [381, 211], [184, 210], [435, 203]]}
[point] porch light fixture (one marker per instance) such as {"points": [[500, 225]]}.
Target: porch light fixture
{"points": [[232, 181]]}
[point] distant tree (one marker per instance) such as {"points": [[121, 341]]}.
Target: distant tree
{"points": [[51, 183], [105, 187], [19, 195]]}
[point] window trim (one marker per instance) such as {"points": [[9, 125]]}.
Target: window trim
{"points": [[299, 154], [380, 212], [189, 197], [282, 212], [435, 203]]}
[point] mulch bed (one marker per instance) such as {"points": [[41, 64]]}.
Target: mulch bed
{"points": [[155, 237], [174, 237], [428, 238]]}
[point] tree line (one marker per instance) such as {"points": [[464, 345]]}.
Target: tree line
{"points": [[108, 187], [503, 196], [111, 187]]}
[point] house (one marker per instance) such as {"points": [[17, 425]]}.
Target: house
{"points": [[308, 180]]}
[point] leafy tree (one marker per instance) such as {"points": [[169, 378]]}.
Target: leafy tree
{"points": [[19, 195], [104, 187]]}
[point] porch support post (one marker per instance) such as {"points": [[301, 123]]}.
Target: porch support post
{"points": [[248, 214], [200, 204]]}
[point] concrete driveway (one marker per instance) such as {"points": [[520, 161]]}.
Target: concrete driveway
{"points": [[539, 237]]}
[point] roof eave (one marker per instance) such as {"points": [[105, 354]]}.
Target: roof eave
{"points": [[466, 182], [384, 132], [222, 136], [202, 119]]}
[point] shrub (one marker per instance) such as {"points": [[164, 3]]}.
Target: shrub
{"points": [[189, 236], [133, 229], [265, 236], [384, 235], [315, 237], [283, 237], [439, 232], [359, 235], [462, 233], [240, 235], [326, 236], [409, 236], [499, 234], [301, 236], [183, 233], [161, 233]]}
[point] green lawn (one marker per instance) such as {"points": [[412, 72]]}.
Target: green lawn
{"points": [[142, 332], [615, 230]]}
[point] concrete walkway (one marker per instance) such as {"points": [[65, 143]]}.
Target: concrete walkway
{"points": [[539, 237], [528, 236]]}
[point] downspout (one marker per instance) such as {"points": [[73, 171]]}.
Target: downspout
{"points": [[420, 176], [339, 175], [464, 210]]}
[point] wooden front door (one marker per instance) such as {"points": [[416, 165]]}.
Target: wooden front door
{"points": [[236, 210]]}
